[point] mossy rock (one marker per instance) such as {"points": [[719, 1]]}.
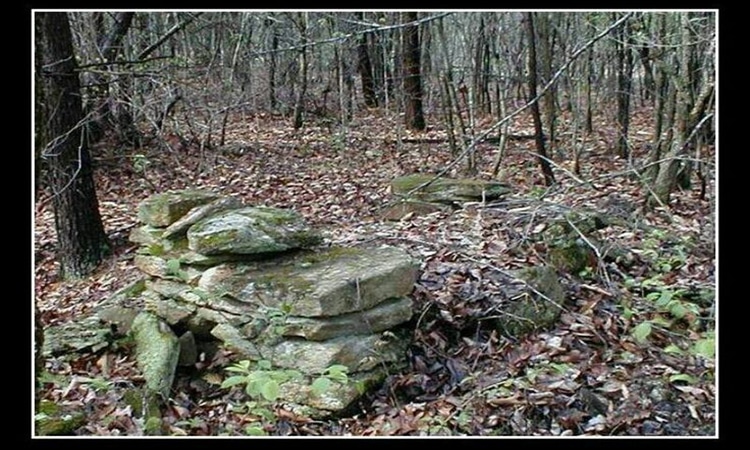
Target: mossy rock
{"points": [[327, 283], [157, 352], [145, 405], [571, 256], [51, 420], [527, 311], [87, 334], [251, 231], [449, 190], [163, 209], [568, 251]]}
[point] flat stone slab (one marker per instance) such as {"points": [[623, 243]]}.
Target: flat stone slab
{"points": [[324, 284], [200, 212], [382, 317], [448, 190], [357, 353], [251, 230], [161, 210]]}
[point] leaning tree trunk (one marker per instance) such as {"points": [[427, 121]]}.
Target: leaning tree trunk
{"points": [[111, 107], [412, 74], [82, 242], [549, 177], [689, 116]]}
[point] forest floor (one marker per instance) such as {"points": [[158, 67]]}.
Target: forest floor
{"points": [[631, 355]]}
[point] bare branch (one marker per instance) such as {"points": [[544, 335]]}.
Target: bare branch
{"points": [[148, 50]]}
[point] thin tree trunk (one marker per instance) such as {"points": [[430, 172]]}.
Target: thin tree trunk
{"points": [[549, 177], [272, 66], [412, 74], [624, 87], [588, 122], [546, 43], [299, 103], [365, 68]]}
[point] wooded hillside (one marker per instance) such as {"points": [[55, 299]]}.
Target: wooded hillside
{"points": [[549, 177]]}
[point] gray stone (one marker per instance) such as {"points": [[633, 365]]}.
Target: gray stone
{"points": [[171, 310], [157, 352], [448, 190], [357, 353], [235, 341], [524, 310], [82, 335], [161, 210], [145, 235], [188, 350], [336, 398], [381, 317], [251, 230], [160, 267], [201, 212], [330, 283]]}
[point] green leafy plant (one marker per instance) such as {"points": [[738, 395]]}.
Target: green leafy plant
{"points": [[336, 373], [263, 384], [260, 381], [706, 346]]}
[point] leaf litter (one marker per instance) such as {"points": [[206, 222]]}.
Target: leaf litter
{"points": [[586, 375]]}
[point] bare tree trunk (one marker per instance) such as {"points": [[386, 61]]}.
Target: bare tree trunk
{"points": [[549, 177], [365, 68], [412, 74], [82, 242], [663, 112], [299, 104], [272, 66], [111, 112], [546, 43], [624, 87], [689, 115], [588, 122]]}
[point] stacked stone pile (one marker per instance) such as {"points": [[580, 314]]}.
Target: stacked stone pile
{"points": [[256, 279]]}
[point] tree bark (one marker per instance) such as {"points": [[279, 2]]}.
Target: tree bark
{"points": [[412, 74], [549, 177], [624, 87], [688, 114], [546, 44], [82, 242], [365, 69], [299, 104], [272, 65]]}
